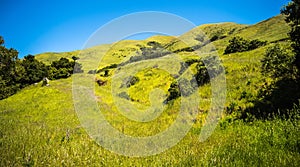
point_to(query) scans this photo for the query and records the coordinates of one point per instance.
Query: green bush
(129, 81)
(256, 44)
(63, 68)
(35, 70)
(16, 74)
(174, 91)
(239, 44)
(202, 76)
(8, 66)
(277, 62)
(283, 91)
(291, 11)
(107, 68)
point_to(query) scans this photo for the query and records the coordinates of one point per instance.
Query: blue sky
(35, 26)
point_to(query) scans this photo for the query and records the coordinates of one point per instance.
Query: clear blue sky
(36, 26)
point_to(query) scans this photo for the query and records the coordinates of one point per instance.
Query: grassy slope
(36, 122)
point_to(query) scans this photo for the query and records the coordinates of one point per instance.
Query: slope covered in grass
(39, 126)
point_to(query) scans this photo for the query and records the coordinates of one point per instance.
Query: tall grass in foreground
(38, 127)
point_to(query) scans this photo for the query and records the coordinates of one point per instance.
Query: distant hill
(240, 67)
(271, 30)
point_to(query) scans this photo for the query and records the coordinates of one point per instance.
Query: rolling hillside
(39, 125)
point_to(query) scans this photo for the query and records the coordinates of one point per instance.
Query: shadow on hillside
(274, 100)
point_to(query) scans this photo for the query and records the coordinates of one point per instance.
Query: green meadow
(39, 125)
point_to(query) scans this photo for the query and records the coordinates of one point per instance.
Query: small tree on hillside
(277, 63)
(292, 12)
(174, 91)
(62, 68)
(8, 73)
(237, 44)
(35, 70)
(75, 58)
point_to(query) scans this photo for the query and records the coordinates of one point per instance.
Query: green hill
(39, 126)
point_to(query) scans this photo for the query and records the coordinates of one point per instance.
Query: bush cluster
(239, 44)
(207, 69)
(16, 73)
(155, 50)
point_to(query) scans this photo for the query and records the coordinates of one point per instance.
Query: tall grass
(39, 126)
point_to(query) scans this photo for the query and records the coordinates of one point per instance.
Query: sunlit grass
(39, 125)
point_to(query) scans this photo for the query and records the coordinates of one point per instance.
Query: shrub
(107, 68)
(64, 68)
(239, 44)
(202, 75)
(129, 81)
(283, 91)
(174, 91)
(146, 53)
(256, 44)
(34, 70)
(277, 62)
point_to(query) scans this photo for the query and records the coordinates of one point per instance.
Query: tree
(16, 74)
(63, 68)
(63, 63)
(277, 63)
(130, 81)
(174, 91)
(292, 12)
(202, 75)
(239, 44)
(256, 44)
(8, 77)
(208, 69)
(283, 91)
(35, 70)
(75, 58)
(1, 40)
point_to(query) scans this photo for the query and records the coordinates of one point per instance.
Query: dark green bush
(63, 68)
(107, 68)
(283, 91)
(239, 44)
(35, 70)
(174, 91)
(277, 63)
(202, 76)
(129, 81)
(256, 44)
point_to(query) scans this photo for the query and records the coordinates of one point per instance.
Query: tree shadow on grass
(275, 100)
